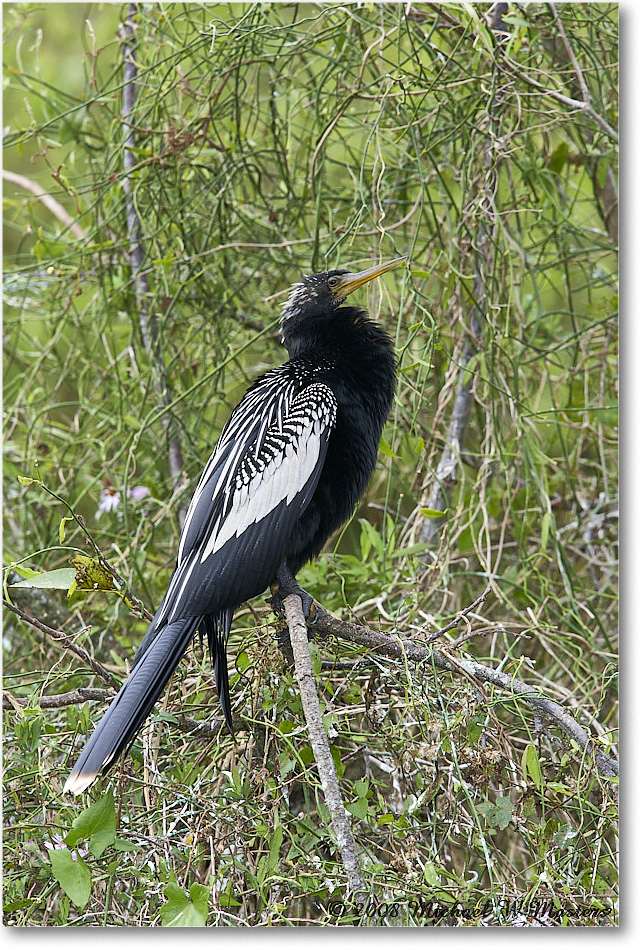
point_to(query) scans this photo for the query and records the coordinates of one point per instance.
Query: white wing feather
(279, 479)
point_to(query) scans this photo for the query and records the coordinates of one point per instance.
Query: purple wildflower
(138, 492)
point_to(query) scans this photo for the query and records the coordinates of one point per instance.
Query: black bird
(292, 461)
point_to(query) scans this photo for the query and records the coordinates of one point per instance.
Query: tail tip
(78, 782)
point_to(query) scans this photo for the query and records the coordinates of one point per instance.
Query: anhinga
(291, 463)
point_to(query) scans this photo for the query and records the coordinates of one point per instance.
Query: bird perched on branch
(291, 463)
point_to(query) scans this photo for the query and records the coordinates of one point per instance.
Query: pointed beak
(350, 282)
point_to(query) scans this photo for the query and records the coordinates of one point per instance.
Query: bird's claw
(280, 593)
(311, 611)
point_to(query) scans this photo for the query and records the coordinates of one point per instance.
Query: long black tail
(217, 628)
(130, 708)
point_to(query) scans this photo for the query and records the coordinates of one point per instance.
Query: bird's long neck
(359, 350)
(346, 333)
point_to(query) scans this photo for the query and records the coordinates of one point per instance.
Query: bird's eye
(333, 281)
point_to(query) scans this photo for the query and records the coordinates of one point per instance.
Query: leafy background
(270, 140)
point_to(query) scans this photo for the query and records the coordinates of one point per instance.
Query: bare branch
(73, 698)
(606, 191)
(410, 649)
(577, 104)
(319, 741)
(440, 485)
(460, 616)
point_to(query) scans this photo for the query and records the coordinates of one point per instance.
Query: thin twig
(581, 81)
(441, 484)
(567, 101)
(319, 742)
(606, 190)
(59, 637)
(460, 616)
(74, 698)
(579, 75)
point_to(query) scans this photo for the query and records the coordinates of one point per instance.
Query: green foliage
(98, 823)
(272, 139)
(182, 910)
(499, 814)
(72, 874)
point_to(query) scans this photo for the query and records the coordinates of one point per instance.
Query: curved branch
(410, 649)
(50, 203)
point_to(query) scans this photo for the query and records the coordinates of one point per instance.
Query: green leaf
(24, 480)
(361, 787)
(24, 571)
(602, 168)
(432, 512)
(183, 911)
(530, 765)
(385, 449)
(370, 539)
(61, 529)
(124, 844)
(546, 526)
(61, 579)
(98, 823)
(499, 814)
(200, 895)
(227, 900)
(505, 810)
(359, 808)
(73, 876)
(353, 692)
(275, 847)
(475, 726)
(559, 158)
(316, 658)
(431, 875)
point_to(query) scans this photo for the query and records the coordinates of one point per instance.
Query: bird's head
(319, 295)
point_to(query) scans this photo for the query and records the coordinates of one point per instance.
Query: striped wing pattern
(259, 479)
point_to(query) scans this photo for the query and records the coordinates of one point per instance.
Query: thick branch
(402, 648)
(74, 698)
(319, 741)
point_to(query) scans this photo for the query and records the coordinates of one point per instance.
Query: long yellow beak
(349, 282)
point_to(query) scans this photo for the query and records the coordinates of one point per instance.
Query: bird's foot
(281, 591)
(284, 585)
